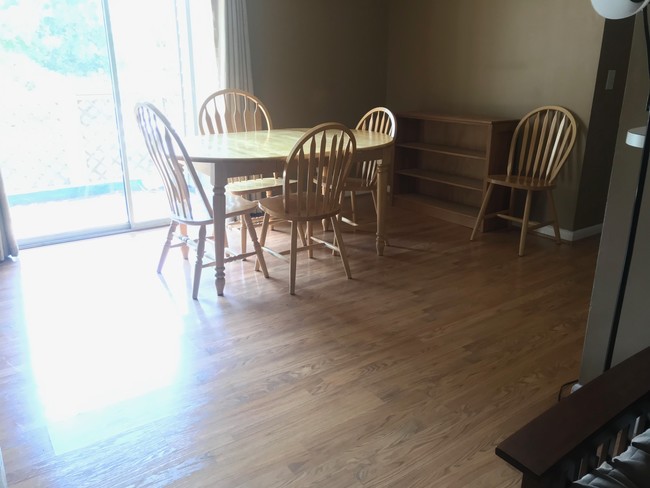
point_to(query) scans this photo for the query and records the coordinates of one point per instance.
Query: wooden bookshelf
(441, 162)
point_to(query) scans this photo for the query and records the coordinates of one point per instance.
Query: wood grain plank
(408, 375)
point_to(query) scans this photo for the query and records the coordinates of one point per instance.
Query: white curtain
(3, 477)
(231, 41)
(8, 246)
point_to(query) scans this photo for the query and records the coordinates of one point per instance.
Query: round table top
(271, 144)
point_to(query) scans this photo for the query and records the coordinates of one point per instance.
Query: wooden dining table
(223, 156)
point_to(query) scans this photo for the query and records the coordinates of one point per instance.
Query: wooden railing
(590, 426)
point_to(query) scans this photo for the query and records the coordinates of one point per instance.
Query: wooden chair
(232, 110)
(188, 202)
(320, 162)
(540, 146)
(363, 175)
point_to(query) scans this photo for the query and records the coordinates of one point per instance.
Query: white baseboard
(571, 235)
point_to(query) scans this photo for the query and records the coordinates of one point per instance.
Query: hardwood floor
(406, 376)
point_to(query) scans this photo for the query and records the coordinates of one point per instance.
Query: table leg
(383, 171)
(219, 215)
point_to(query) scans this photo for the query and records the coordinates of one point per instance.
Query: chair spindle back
(233, 110)
(318, 165)
(541, 143)
(378, 119)
(185, 195)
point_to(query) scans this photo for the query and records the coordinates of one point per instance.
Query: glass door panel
(60, 157)
(73, 160)
(149, 66)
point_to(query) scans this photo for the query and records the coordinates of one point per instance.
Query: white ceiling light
(618, 9)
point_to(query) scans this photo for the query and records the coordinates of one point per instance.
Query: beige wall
(497, 57)
(318, 60)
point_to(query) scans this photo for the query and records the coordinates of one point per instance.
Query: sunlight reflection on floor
(88, 365)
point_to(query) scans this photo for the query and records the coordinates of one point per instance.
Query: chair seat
(274, 206)
(254, 185)
(236, 205)
(521, 182)
(356, 184)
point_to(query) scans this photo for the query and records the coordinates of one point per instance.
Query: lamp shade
(618, 9)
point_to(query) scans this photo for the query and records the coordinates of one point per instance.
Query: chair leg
(244, 224)
(301, 234)
(326, 225)
(200, 250)
(511, 207)
(307, 240)
(293, 253)
(344, 257)
(185, 250)
(481, 213)
(353, 204)
(265, 228)
(556, 225)
(167, 245)
(339, 217)
(524, 222)
(269, 194)
(256, 245)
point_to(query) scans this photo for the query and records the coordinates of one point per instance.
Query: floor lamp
(619, 9)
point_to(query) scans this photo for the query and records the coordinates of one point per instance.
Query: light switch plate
(609, 84)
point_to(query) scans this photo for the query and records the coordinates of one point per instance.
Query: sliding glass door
(72, 159)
